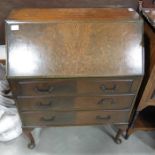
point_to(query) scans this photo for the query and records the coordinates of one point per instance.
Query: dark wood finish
(150, 48)
(27, 132)
(150, 15)
(148, 3)
(75, 86)
(110, 85)
(117, 137)
(145, 120)
(48, 118)
(47, 87)
(144, 116)
(147, 98)
(72, 43)
(6, 6)
(75, 66)
(105, 102)
(144, 113)
(148, 10)
(56, 14)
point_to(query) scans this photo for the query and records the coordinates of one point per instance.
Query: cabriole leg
(117, 138)
(29, 135)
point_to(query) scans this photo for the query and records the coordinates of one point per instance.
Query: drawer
(51, 118)
(71, 87)
(46, 87)
(100, 86)
(105, 102)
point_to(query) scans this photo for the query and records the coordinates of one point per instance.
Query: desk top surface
(103, 14)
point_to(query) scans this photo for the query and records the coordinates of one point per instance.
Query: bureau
(74, 66)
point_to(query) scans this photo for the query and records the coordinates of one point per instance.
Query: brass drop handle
(46, 119)
(49, 104)
(44, 90)
(105, 89)
(98, 117)
(106, 101)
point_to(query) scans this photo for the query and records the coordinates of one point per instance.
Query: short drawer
(46, 87)
(105, 102)
(51, 118)
(100, 86)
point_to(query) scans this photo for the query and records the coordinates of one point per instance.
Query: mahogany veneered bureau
(74, 66)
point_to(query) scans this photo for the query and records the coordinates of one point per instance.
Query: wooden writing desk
(74, 66)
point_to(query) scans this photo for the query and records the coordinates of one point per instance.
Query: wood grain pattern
(85, 65)
(148, 11)
(106, 102)
(29, 14)
(44, 119)
(76, 48)
(141, 120)
(149, 14)
(75, 86)
(150, 47)
(147, 99)
(148, 4)
(6, 6)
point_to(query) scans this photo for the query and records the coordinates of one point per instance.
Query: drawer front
(46, 87)
(75, 103)
(71, 87)
(100, 86)
(42, 118)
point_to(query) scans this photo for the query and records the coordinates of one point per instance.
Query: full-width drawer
(44, 118)
(111, 102)
(71, 87)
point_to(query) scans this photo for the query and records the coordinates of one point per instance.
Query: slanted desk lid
(74, 43)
